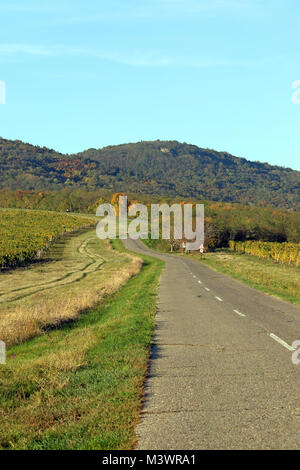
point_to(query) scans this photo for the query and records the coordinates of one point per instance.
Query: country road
(221, 375)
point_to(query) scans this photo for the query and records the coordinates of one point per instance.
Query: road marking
(283, 343)
(219, 299)
(206, 288)
(200, 282)
(194, 277)
(239, 313)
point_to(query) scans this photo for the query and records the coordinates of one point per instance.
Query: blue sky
(215, 73)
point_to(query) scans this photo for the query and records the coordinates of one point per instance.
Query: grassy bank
(80, 386)
(272, 278)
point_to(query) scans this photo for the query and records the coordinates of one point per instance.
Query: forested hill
(159, 167)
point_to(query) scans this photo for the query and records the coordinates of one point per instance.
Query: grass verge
(81, 386)
(267, 276)
(272, 278)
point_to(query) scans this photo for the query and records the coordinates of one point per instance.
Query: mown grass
(81, 270)
(276, 279)
(81, 386)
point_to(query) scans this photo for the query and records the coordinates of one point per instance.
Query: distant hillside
(159, 167)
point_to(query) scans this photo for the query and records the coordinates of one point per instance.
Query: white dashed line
(200, 282)
(239, 313)
(206, 288)
(219, 299)
(280, 341)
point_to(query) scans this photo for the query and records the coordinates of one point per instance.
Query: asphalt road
(221, 374)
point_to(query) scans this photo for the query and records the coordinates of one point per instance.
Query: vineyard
(286, 253)
(24, 235)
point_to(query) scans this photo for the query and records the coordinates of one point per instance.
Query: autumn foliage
(25, 234)
(286, 253)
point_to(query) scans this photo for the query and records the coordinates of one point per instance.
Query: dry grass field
(79, 272)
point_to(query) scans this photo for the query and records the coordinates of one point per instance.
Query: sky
(214, 73)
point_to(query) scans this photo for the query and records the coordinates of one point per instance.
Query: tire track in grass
(72, 276)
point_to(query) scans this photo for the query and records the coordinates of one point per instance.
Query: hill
(158, 167)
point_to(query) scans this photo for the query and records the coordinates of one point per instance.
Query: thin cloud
(28, 7)
(140, 59)
(9, 50)
(160, 10)
(207, 4)
(133, 9)
(25, 49)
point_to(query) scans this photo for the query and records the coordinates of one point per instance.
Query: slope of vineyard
(287, 253)
(25, 234)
